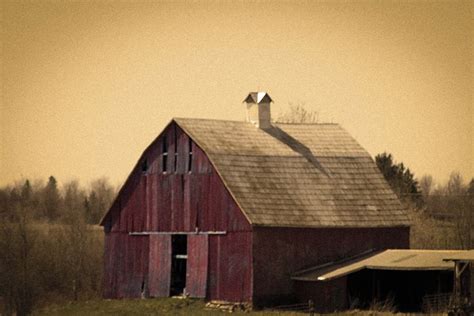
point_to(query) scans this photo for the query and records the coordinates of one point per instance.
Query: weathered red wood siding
(280, 252)
(125, 265)
(230, 267)
(159, 266)
(198, 261)
(178, 201)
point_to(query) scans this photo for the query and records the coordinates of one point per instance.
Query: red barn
(229, 210)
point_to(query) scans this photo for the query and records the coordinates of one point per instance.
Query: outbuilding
(404, 279)
(231, 210)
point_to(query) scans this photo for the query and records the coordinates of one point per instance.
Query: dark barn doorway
(179, 253)
(405, 290)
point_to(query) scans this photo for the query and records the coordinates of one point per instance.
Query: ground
(164, 306)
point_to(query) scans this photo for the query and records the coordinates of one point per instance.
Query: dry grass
(171, 306)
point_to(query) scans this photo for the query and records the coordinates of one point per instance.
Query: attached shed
(230, 210)
(411, 279)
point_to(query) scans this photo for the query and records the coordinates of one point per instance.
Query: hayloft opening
(179, 252)
(165, 154)
(145, 165)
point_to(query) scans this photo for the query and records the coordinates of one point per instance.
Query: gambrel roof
(298, 175)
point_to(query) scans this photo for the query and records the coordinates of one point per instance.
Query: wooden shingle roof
(298, 175)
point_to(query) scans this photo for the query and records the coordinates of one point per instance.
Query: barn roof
(298, 175)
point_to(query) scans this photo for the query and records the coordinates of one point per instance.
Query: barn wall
(125, 265)
(279, 252)
(230, 266)
(167, 197)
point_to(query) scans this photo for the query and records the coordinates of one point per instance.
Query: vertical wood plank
(159, 267)
(182, 150)
(197, 265)
(153, 196)
(187, 192)
(164, 203)
(171, 135)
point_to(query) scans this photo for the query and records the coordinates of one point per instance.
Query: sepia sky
(86, 86)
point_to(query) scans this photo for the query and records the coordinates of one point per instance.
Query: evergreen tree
(26, 194)
(51, 200)
(401, 179)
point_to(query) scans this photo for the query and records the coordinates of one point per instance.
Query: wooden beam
(178, 233)
(461, 268)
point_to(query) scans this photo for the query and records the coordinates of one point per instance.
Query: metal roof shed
(391, 259)
(462, 299)
(410, 275)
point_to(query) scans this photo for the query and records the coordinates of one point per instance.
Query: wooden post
(457, 284)
(458, 300)
(311, 307)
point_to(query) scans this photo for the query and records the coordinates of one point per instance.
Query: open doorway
(404, 290)
(179, 253)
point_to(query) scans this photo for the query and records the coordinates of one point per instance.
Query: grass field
(164, 306)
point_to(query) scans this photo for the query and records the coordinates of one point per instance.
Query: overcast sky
(86, 86)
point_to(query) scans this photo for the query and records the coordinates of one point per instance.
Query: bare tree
(74, 198)
(100, 198)
(17, 265)
(298, 114)
(426, 185)
(450, 205)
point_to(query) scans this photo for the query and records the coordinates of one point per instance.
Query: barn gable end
(181, 194)
(138, 206)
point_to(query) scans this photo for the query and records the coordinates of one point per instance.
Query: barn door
(159, 269)
(196, 270)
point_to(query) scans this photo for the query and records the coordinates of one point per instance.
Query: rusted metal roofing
(298, 175)
(392, 259)
(466, 255)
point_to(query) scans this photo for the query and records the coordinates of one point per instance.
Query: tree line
(442, 214)
(49, 203)
(51, 246)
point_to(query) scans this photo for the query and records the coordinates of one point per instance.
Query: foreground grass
(160, 306)
(167, 306)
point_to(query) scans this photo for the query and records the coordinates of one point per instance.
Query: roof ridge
(206, 119)
(234, 121)
(322, 123)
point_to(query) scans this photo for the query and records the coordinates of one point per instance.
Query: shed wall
(169, 197)
(327, 296)
(280, 252)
